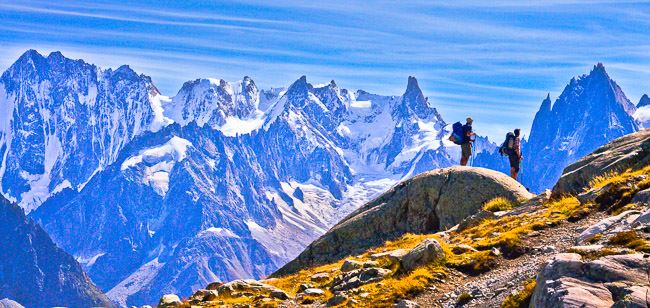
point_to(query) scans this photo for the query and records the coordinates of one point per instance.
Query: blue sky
(493, 61)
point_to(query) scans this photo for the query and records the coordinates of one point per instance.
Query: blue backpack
(457, 133)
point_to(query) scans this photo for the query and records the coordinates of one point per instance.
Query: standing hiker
(514, 153)
(462, 135)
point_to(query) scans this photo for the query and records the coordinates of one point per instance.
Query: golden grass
(617, 177)
(632, 240)
(499, 204)
(522, 298)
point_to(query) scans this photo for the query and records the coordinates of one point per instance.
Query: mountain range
(154, 194)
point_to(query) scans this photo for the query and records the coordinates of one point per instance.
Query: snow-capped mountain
(37, 273)
(642, 113)
(591, 111)
(215, 195)
(231, 108)
(63, 120)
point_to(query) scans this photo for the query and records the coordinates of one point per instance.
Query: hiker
(466, 146)
(514, 153)
(462, 135)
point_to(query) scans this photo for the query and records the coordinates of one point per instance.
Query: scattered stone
(548, 249)
(425, 252)
(349, 265)
(204, 295)
(606, 224)
(359, 277)
(170, 300)
(406, 304)
(279, 294)
(313, 291)
(364, 295)
(337, 300)
(368, 264)
(495, 251)
(320, 277)
(642, 197)
(214, 285)
(394, 256)
(304, 286)
(462, 248)
(245, 288)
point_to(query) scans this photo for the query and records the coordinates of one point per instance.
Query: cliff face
(34, 271)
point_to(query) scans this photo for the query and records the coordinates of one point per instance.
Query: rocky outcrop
(568, 281)
(426, 203)
(630, 151)
(37, 273)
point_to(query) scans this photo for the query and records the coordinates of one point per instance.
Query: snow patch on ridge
(158, 162)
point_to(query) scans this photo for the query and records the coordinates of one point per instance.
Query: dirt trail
(491, 288)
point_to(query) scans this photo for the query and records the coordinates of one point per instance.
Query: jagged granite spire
(644, 101)
(413, 102)
(591, 111)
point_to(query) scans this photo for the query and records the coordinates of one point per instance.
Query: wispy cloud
(496, 58)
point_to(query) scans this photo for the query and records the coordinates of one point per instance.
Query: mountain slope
(196, 203)
(63, 120)
(35, 272)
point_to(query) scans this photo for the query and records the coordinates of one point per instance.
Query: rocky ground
(490, 289)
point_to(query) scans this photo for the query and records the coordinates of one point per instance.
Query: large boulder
(568, 281)
(426, 203)
(630, 151)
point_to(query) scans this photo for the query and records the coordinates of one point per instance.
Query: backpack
(505, 149)
(457, 133)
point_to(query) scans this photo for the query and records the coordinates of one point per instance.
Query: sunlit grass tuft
(499, 204)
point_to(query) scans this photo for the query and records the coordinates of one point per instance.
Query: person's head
(469, 120)
(517, 132)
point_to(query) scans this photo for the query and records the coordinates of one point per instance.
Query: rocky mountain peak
(413, 102)
(644, 101)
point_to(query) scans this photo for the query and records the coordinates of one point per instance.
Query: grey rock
(320, 277)
(607, 224)
(170, 300)
(279, 294)
(313, 291)
(337, 300)
(304, 286)
(349, 265)
(425, 252)
(629, 151)
(642, 197)
(393, 256)
(204, 295)
(568, 281)
(406, 304)
(462, 248)
(357, 278)
(241, 287)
